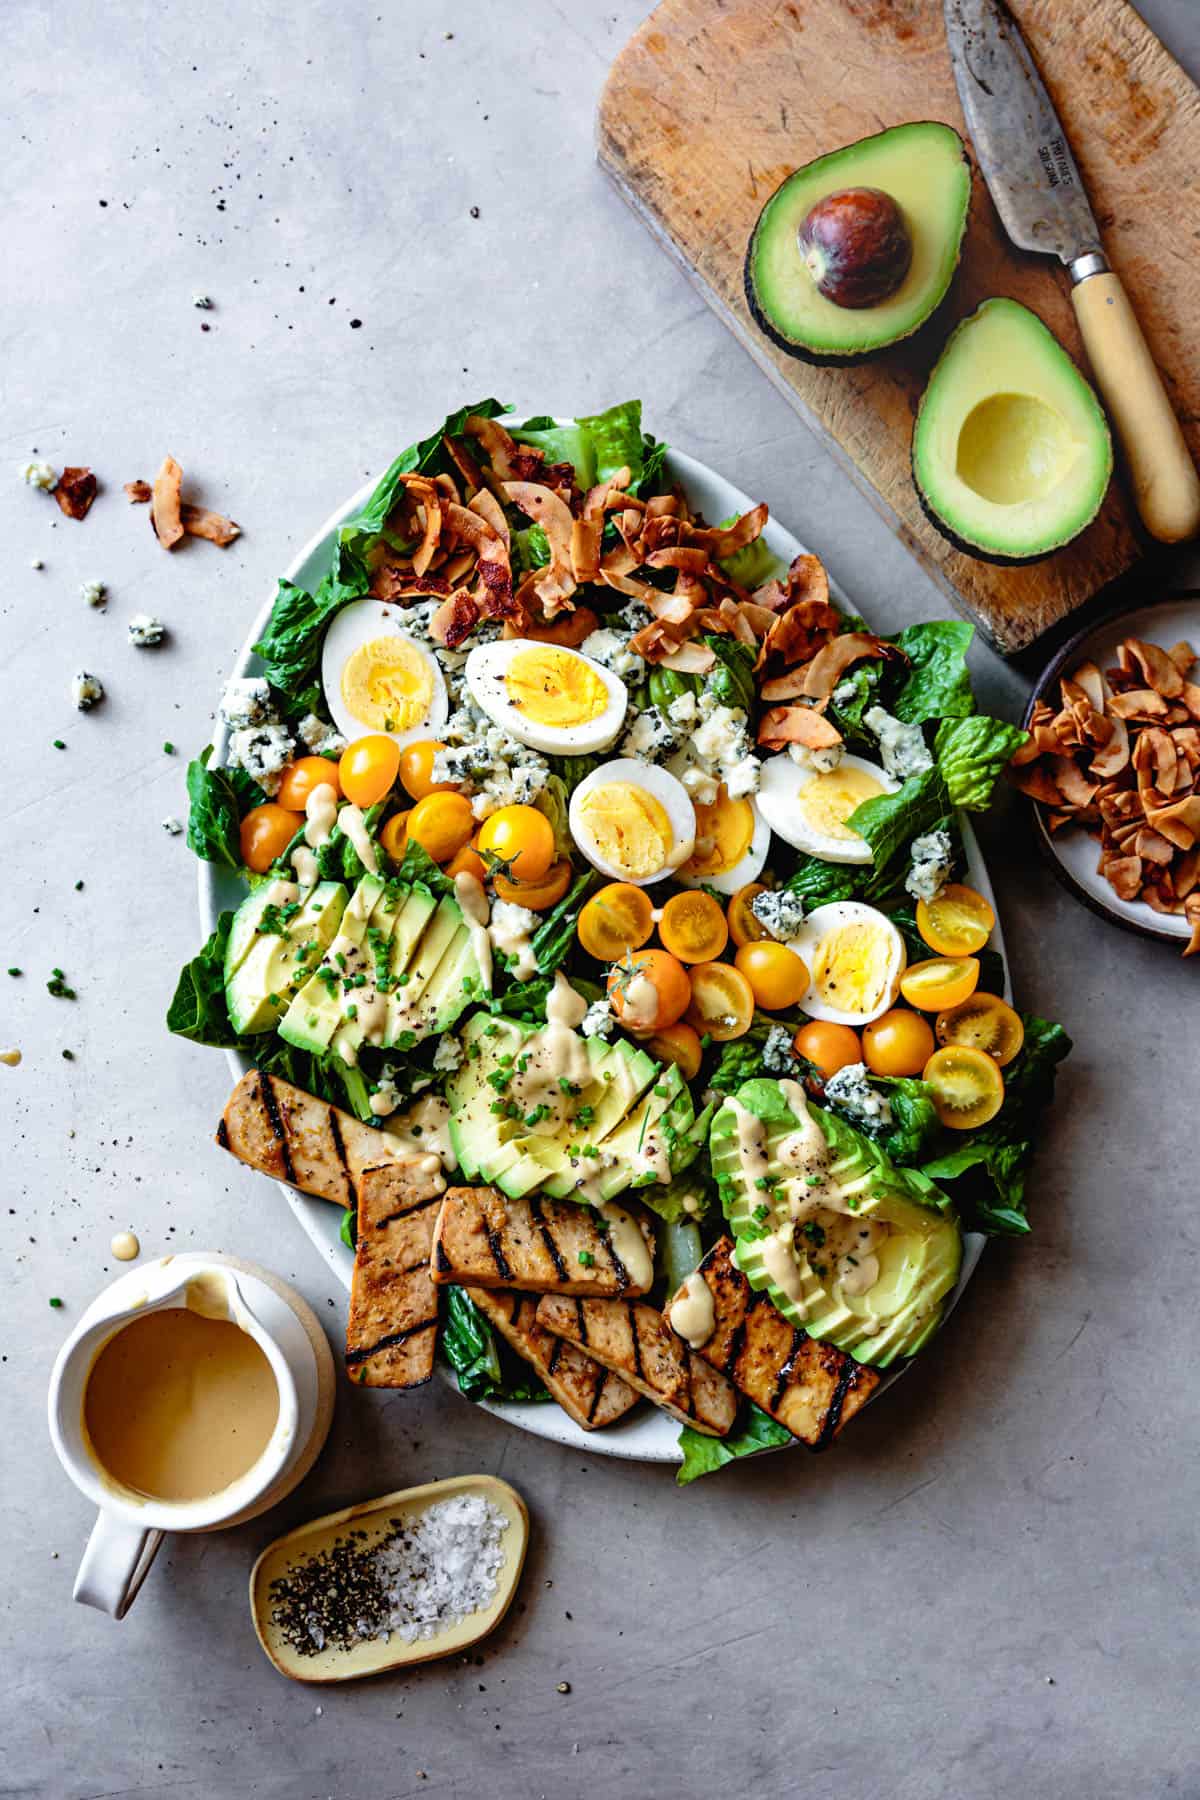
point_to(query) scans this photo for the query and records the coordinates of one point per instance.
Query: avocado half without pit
(857, 249)
(1011, 452)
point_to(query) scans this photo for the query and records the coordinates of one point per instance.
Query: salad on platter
(605, 948)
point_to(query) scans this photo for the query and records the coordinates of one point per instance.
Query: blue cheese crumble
(851, 1091)
(263, 751)
(930, 869)
(777, 1054)
(172, 827)
(86, 690)
(145, 631)
(246, 701)
(780, 913)
(598, 1020)
(902, 748)
(448, 1056)
(95, 593)
(612, 652)
(38, 474)
(319, 736)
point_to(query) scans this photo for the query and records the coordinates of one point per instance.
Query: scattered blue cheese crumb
(902, 748)
(932, 862)
(37, 563)
(246, 701)
(86, 690)
(851, 1090)
(823, 760)
(145, 630)
(777, 1054)
(263, 751)
(202, 301)
(612, 652)
(780, 913)
(94, 592)
(448, 1056)
(322, 738)
(38, 474)
(651, 736)
(598, 1020)
(172, 827)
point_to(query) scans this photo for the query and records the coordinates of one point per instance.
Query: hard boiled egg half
(808, 808)
(378, 679)
(544, 695)
(856, 957)
(633, 821)
(732, 840)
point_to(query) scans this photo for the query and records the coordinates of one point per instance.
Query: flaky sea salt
(442, 1567)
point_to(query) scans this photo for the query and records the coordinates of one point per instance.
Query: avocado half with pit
(819, 236)
(1011, 452)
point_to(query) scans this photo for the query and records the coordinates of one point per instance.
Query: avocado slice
(858, 1207)
(316, 1010)
(923, 167)
(266, 968)
(1011, 452)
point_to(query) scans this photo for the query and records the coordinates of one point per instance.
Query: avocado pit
(857, 246)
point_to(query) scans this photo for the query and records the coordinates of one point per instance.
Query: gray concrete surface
(990, 1589)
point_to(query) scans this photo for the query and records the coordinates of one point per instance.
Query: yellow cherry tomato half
(618, 918)
(441, 824)
(983, 1022)
(416, 769)
(693, 927)
(517, 841)
(368, 768)
(302, 776)
(744, 928)
(265, 833)
(394, 835)
(679, 1044)
(466, 861)
(957, 923)
(536, 895)
(777, 975)
(827, 1046)
(648, 991)
(967, 1086)
(899, 1043)
(940, 982)
(722, 1003)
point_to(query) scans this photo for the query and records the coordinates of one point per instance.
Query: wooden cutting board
(715, 101)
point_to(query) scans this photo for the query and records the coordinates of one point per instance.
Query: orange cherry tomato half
(898, 1043)
(265, 833)
(536, 895)
(722, 1002)
(620, 917)
(369, 767)
(466, 861)
(983, 1022)
(967, 1086)
(940, 982)
(693, 927)
(302, 776)
(517, 841)
(648, 990)
(777, 975)
(744, 928)
(827, 1046)
(416, 769)
(394, 836)
(679, 1044)
(441, 824)
(957, 923)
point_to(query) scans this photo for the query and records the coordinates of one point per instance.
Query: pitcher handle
(115, 1563)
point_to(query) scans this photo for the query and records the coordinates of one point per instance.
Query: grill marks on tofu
(391, 1331)
(485, 1240)
(809, 1387)
(634, 1341)
(587, 1392)
(282, 1131)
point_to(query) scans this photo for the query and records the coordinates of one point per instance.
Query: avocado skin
(821, 359)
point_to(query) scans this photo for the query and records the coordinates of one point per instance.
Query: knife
(1031, 175)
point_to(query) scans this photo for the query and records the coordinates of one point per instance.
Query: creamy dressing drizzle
(513, 941)
(305, 865)
(282, 892)
(551, 1057)
(320, 814)
(629, 1243)
(639, 1002)
(779, 1260)
(473, 904)
(425, 1130)
(354, 826)
(693, 1314)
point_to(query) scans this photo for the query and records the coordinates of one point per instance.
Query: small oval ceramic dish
(374, 1518)
(1073, 852)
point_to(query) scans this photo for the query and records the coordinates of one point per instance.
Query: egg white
(748, 866)
(362, 622)
(485, 670)
(836, 916)
(781, 782)
(671, 795)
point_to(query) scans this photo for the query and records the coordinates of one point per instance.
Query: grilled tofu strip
(282, 1131)
(590, 1394)
(391, 1332)
(633, 1340)
(541, 1246)
(810, 1387)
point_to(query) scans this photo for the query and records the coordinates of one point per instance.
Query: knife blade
(1018, 138)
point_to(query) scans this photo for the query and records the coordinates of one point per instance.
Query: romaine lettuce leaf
(819, 882)
(732, 681)
(290, 647)
(197, 1010)
(936, 684)
(702, 1455)
(971, 754)
(891, 821)
(485, 1367)
(215, 798)
(616, 440)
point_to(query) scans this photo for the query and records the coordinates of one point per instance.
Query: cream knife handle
(1165, 483)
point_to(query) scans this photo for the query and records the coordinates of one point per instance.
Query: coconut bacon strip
(167, 504)
(391, 1330)
(635, 1342)
(540, 1246)
(587, 1392)
(282, 1131)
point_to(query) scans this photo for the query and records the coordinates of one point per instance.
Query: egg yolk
(628, 828)
(827, 801)
(850, 967)
(387, 684)
(723, 834)
(553, 689)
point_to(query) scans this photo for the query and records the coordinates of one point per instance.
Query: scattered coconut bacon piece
(138, 493)
(1122, 758)
(634, 1340)
(199, 522)
(809, 1387)
(587, 1392)
(75, 492)
(167, 504)
(391, 1331)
